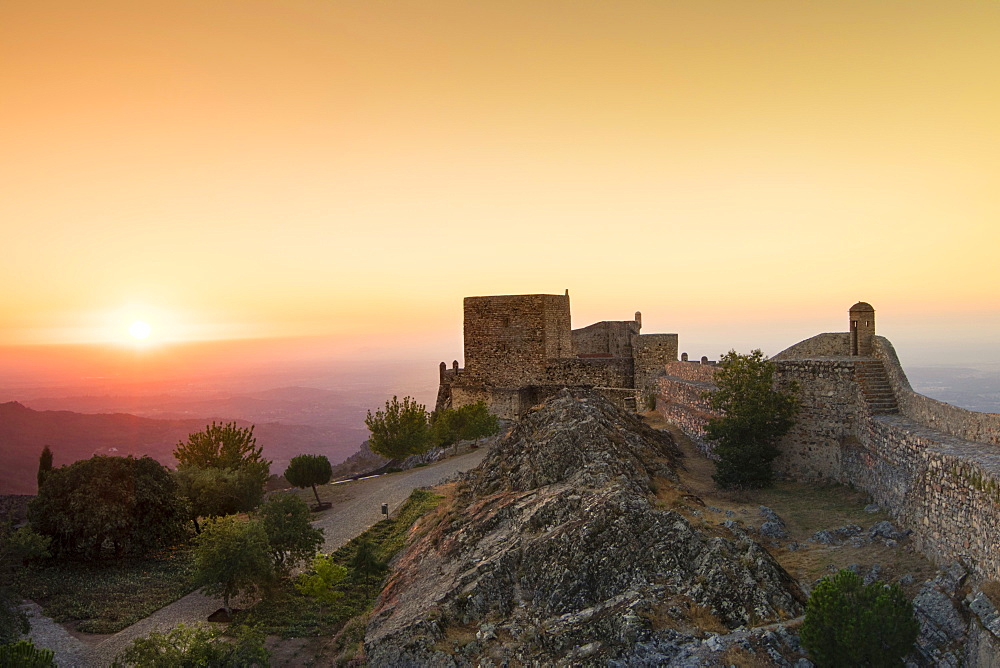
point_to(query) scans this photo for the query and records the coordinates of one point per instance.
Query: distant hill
(74, 436)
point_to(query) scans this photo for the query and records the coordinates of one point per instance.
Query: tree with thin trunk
(231, 558)
(309, 470)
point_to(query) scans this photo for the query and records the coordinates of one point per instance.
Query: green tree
(232, 558)
(291, 538)
(465, 423)
(108, 507)
(192, 646)
(754, 416)
(401, 430)
(849, 623)
(213, 492)
(365, 561)
(309, 470)
(44, 465)
(221, 470)
(222, 446)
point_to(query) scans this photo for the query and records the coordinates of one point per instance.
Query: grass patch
(107, 597)
(287, 613)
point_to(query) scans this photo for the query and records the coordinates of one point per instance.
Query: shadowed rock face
(555, 552)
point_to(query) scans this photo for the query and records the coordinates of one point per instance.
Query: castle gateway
(521, 349)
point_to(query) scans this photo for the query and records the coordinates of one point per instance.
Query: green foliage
(291, 613)
(401, 430)
(16, 549)
(309, 470)
(191, 646)
(24, 654)
(106, 597)
(465, 423)
(291, 538)
(108, 507)
(365, 561)
(213, 492)
(849, 623)
(231, 558)
(44, 465)
(754, 417)
(319, 583)
(222, 446)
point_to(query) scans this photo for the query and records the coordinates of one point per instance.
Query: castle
(933, 466)
(521, 349)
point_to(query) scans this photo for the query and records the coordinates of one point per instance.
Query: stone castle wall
(921, 464)
(519, 347)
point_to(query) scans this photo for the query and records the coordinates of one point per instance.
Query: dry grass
(737, 656)
(804, 507)
(992, 590)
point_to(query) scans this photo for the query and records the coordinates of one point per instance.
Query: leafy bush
(108, 507)
(214, 492)
(472, 421)
(309, 470)
(320, 582)
(231, 558)
(754, 417)
(291, 538)
(401, 430)
(191, 646)
(849, 623)
(24, 654)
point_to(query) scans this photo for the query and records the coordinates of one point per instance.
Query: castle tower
(862, 317)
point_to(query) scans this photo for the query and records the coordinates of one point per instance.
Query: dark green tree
(365, 561)
(192, 646)
(231, 558)
(44, 465)
(754, 416)
(309, 470)
(465, 423)
(849, 623)
(108, 507)
(213, 492)
(222, 446)
(401, 430)
(221, 470)
(291, 538)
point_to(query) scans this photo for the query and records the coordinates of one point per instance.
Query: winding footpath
(358, 507)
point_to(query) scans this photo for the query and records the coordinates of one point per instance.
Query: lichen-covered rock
(554, 552)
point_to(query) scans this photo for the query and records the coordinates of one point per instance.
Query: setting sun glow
(140, 330)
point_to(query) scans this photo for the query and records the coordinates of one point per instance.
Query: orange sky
(740, 172)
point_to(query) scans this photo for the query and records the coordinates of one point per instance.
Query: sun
(140, 330)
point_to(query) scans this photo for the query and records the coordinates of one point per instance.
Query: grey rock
(772, 529)
(884, 530)
(770, 515)
(793, 546)
(906, 580)
(872, 575)
(730, 513)
(872, 508)
(983, 607)
(555, 531)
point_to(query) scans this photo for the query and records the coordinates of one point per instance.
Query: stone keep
(521, 349)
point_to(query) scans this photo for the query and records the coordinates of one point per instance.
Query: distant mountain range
(73, 436)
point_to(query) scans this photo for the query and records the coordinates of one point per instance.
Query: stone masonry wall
(651, 352)
(611, 337)
(943, 487)
(508, 338)
(965, 424)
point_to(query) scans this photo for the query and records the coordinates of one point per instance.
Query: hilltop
(556, 549)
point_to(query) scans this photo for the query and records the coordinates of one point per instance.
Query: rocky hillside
(556, 550)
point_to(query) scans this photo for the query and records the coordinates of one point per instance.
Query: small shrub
(196, 646)
(24, 654)
(849, 623)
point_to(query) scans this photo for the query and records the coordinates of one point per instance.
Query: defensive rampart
(935, 467)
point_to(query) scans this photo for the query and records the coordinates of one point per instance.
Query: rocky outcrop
(556, 551)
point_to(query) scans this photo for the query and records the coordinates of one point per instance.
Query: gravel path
(358, 505)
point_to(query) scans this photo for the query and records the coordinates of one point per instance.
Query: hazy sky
(741, 172)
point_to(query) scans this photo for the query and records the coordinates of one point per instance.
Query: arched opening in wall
(854, 337)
